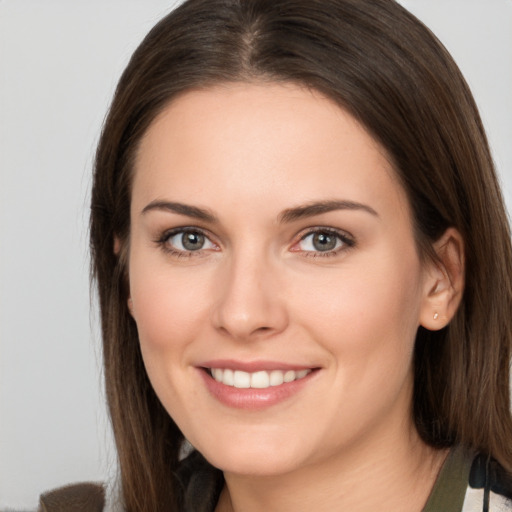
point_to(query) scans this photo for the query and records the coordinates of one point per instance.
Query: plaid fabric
(475, 499)
(469, 483)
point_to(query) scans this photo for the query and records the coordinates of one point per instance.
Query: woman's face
(274, 278)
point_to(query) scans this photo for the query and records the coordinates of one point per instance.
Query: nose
(250, 301)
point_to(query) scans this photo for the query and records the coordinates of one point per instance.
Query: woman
(304, 267)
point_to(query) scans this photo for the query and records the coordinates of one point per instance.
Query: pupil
(324, 242)
(192, 241)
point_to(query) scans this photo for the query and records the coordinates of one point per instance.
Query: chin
(256, 459)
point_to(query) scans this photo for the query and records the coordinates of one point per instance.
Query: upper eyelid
(327, 229)
(184, 229)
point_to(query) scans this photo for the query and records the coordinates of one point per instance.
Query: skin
(258, 289)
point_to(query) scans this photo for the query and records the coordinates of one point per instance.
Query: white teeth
(289, 376)
(258, 380)
(242, 379)
(276, 378)
(302, 373)
(228, 377)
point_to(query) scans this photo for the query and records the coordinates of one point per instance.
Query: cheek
(367, 319)
(169, 314)
(169, 309)
(366, 312)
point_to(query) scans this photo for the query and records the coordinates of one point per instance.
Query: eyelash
(347, 242)
(163, 242)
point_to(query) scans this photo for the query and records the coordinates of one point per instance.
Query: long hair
(382, 65)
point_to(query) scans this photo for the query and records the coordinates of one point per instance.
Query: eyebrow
(288, 215)
(317, 208)
(182, 209)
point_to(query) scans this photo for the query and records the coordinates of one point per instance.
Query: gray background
(59, 62)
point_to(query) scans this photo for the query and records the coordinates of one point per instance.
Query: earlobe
(117, 245)
(444, 284)
(130, 306)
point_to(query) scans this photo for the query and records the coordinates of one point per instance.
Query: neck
(392, 474)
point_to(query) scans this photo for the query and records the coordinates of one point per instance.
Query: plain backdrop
(59, 63)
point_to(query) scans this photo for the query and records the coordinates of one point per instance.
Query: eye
(186, 241)
(324, 241)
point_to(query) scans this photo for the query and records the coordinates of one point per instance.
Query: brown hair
(387, 69)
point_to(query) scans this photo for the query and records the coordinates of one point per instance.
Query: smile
(256, 380)
(255, 385)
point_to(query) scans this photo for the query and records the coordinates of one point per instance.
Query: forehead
(264, 141)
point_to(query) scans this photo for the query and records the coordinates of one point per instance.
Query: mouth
(261, 379)
(255, 385)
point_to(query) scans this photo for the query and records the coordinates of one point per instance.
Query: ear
(117, 251)
(129, 302)
(444, 282)
(117, 245)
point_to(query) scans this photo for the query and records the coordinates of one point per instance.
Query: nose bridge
(249, 302)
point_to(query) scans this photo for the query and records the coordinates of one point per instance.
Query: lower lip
(253, 398)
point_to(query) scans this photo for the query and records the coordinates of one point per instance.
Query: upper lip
(254, 366)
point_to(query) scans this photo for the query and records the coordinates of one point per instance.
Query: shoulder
(200, 485)
(83, 497)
